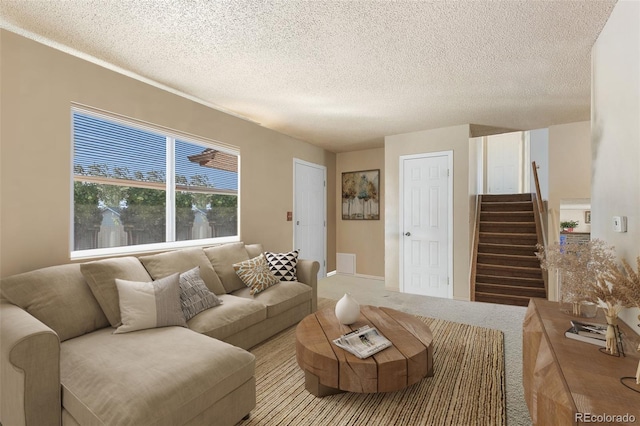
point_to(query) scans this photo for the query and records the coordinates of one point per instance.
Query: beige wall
(569, 175)
(451, 138)
(364, 238)
(616, 134)
(39, 84)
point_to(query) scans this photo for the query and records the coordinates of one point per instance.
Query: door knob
(408, 234)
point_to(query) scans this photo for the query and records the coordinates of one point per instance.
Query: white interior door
(504, 163)
(426, 204)
(310, 212)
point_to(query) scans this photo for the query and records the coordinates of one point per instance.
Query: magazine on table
(596, 331)
(363, 342)
(595, 334)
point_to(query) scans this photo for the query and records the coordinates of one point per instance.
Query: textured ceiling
(343, 74)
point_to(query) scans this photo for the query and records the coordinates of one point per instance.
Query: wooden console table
(565, 379)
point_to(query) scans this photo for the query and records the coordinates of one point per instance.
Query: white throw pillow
(150, 304)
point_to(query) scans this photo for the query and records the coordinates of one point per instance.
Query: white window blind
(136, 186)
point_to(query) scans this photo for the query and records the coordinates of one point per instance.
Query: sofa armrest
(307, 273)
(29, 369)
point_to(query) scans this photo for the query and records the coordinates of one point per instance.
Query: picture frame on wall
(587, 216)
(361, 195)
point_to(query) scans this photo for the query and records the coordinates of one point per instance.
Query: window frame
(170, 186)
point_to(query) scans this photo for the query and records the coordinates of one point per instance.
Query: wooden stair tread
(510, 256)
(510, 290)
(509, 234)
(503, 197)
(504, 213)
(507, 267)
(493, 222)
(500, 278)
(510, 227)
(510, 286)
(502, 296)
(507, 216)
(526, 261)
(506, 239)
(513, 249)
(507, 203)
(532, 246)
(508, 271)
(489, 206)
(502, 299)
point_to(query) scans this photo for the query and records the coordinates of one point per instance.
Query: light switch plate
(619, 224)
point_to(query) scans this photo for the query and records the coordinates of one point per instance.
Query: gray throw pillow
(195, 297)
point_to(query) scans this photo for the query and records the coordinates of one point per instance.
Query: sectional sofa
(104, 343)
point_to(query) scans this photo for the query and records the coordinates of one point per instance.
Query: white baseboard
(369, 277)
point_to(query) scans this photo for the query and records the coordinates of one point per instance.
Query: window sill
(141, 249)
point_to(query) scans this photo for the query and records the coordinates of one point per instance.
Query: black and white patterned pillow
(283, 265)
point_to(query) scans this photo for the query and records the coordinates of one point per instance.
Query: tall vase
(611, 336)
(347, 310)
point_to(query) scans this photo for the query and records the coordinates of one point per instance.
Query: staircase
(506, 268)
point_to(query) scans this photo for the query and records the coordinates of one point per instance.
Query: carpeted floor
(468, 386)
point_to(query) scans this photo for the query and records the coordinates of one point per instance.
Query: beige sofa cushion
(234, 315)
(164, 264)
(161, 376)
(101, 276)
(254, 250)
(279, 298)
(222, 258)
(59, 297)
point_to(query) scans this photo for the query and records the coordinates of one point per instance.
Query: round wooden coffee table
(329, 369)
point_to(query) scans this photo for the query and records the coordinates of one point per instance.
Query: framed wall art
(361, 195)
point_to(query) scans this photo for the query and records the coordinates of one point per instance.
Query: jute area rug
(468, 386)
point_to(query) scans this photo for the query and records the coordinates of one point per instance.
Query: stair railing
(474, 254)
(541, 222)
(540, 204)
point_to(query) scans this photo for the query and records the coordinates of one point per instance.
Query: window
(136, 185)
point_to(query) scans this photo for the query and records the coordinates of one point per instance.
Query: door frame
(402, 158)
(296, 161)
